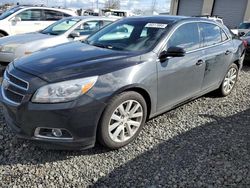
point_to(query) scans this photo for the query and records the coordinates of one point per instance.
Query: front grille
(13, 88)
(17, 81)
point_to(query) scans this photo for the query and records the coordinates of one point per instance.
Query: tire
(223, 90)
(115, 129)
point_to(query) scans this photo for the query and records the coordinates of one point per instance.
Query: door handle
(200, 62)
(228, 52)
(37, 24)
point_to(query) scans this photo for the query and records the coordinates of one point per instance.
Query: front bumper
(80, 118)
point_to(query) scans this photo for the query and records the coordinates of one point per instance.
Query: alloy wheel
(125, 121)
(230, 80)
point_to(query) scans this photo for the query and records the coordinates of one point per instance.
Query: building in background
(233, 12)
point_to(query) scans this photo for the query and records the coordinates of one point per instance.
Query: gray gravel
(205, 143)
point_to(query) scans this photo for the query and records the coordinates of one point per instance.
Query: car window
(88, 28)
(211, 34)
(9, 12)
(129, 35)
(120, 32)
(223, 35)
(186, 36)
(30, 15)
(105, 22)
(244, 26)
(51, 15)
(60, 26)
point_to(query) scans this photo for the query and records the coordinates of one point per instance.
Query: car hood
(24, 38)
(74, 60)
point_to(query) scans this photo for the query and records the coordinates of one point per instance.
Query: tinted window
(223, 35)
(244, 26)
(186, 36)
(51, 15)
(129, 35)
(89, 27)
(30, 15)
(211, 34)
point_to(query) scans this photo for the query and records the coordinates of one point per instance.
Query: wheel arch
(4, 32)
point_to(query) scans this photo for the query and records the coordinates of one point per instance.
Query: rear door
(180, 78)
(31, 20)
(51, 16)
(217, 54)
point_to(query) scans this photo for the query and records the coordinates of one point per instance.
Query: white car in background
(24, 19)
(62, 31)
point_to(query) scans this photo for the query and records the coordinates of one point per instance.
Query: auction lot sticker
(156, 25)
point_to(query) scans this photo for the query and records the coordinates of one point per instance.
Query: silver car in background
(63, 31)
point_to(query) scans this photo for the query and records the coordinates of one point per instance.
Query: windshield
(9, 12)
(60, 27)
(128, 35)
(247, 34)
(244, 26)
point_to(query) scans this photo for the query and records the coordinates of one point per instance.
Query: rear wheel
(229, 81)
(122, 120)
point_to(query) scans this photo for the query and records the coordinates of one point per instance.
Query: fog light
(57, 132)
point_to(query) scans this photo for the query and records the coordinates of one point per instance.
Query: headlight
(9, 48)
(64, 91)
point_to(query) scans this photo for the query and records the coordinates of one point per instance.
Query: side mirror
(16, 19)
(241, 34)
(74, 34)
(172, 52)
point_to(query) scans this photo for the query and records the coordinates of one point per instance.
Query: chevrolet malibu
(104, 89)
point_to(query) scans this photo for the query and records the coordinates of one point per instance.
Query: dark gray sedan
(106, 88)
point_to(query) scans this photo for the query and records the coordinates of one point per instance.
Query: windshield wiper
(102, 46)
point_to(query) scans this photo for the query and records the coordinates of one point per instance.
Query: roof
(91, 17)
(48, 8)
(168, 18)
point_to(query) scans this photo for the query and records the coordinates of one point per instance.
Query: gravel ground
(205, 143)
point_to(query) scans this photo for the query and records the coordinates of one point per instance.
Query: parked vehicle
(70, 95)
(243, 28)
(24, 19)
(114, 13)
(214, 18)
(246, 39)
(62, 31)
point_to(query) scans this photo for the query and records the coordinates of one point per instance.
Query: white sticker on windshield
(156, 25)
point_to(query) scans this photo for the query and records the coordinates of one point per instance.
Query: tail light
(245, 43)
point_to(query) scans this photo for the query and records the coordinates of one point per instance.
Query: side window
(66, 15)
(211, 34)
(223, 36)
(186, 36)
(30, 15)
(51, 15)
(105, 22)
(88, 28)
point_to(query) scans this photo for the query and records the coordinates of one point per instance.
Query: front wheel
(229, 81)
(122, 120)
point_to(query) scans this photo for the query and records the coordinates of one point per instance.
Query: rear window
(211, 34)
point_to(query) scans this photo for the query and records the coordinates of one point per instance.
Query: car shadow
(215, 154)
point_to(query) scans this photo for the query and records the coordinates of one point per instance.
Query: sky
(161, 5)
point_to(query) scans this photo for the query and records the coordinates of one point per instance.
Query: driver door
(180, 78)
